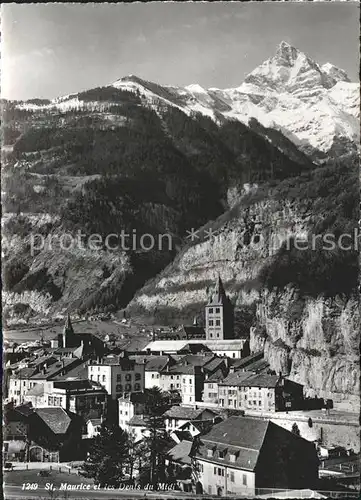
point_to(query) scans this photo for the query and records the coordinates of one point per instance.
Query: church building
(219, 315)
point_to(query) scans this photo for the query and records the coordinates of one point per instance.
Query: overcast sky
(55, 49)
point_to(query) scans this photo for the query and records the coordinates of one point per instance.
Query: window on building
(178, 385)
(152, 375)
(211, 322)
(98, 378)
(209, 489)
(215, 471)
(200, 467)
(244, 479)
(128, 387)
(218, 322)
(137, 376)
(121, 412)
(190, 381)
(259, 403)
(218, 310)
(157, 375)
(232, 476)
(217, 335)
(211, 310)
(209, 453)
(128, 377)
(137, 387)
(184, 380)
(177, 377)
(103, 378)
(234, 355)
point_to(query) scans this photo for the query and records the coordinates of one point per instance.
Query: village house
(118, 375)
(129, 406)
(245, 456)
(179, 415)
(39, 372)
(46, 434)
(153, 369)
(179, 464)
(93, 427)
(259, 392)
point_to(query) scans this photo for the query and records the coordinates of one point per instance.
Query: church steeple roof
(68, 327)
(219, 296)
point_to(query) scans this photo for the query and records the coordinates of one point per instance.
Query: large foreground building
(246, 456)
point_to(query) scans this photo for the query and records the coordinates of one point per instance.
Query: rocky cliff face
(316, 343)
(312, 339)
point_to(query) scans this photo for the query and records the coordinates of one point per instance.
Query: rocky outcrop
(312, 340)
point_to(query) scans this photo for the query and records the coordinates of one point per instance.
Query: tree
(156, 439)
(108, 455)
(295, 429)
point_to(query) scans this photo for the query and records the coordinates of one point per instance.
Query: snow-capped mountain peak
(337, 74)
(313, 105)
(286, 54)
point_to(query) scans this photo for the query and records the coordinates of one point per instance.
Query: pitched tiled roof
(181, 452)
(217, 376)
(258, 366)
(56, 368)
(156, 363)
(57, 419)
(194, 329)
(261, 380)
(240, 436)
(243, 362)
(137, 420)
(95, 421)
(185, 413)
(236, 379)
(213, 364)
(37, 390)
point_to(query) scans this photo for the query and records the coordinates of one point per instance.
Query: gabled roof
(236, 379)
(181, 452)
(193, 330)
(217, 376)
(57, 419)
(261, 380)
(63, 365)
(156, 363)
(37, 390)
(137, 421)
(239, 436)
(95, 421)
(197, 360)
(79, 372)
(213, 364)
(186, 413)
(202, 426)
(243, 362)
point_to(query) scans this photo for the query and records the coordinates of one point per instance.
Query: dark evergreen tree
(108, 456)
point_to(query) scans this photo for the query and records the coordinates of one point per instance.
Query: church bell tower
(219, 315)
